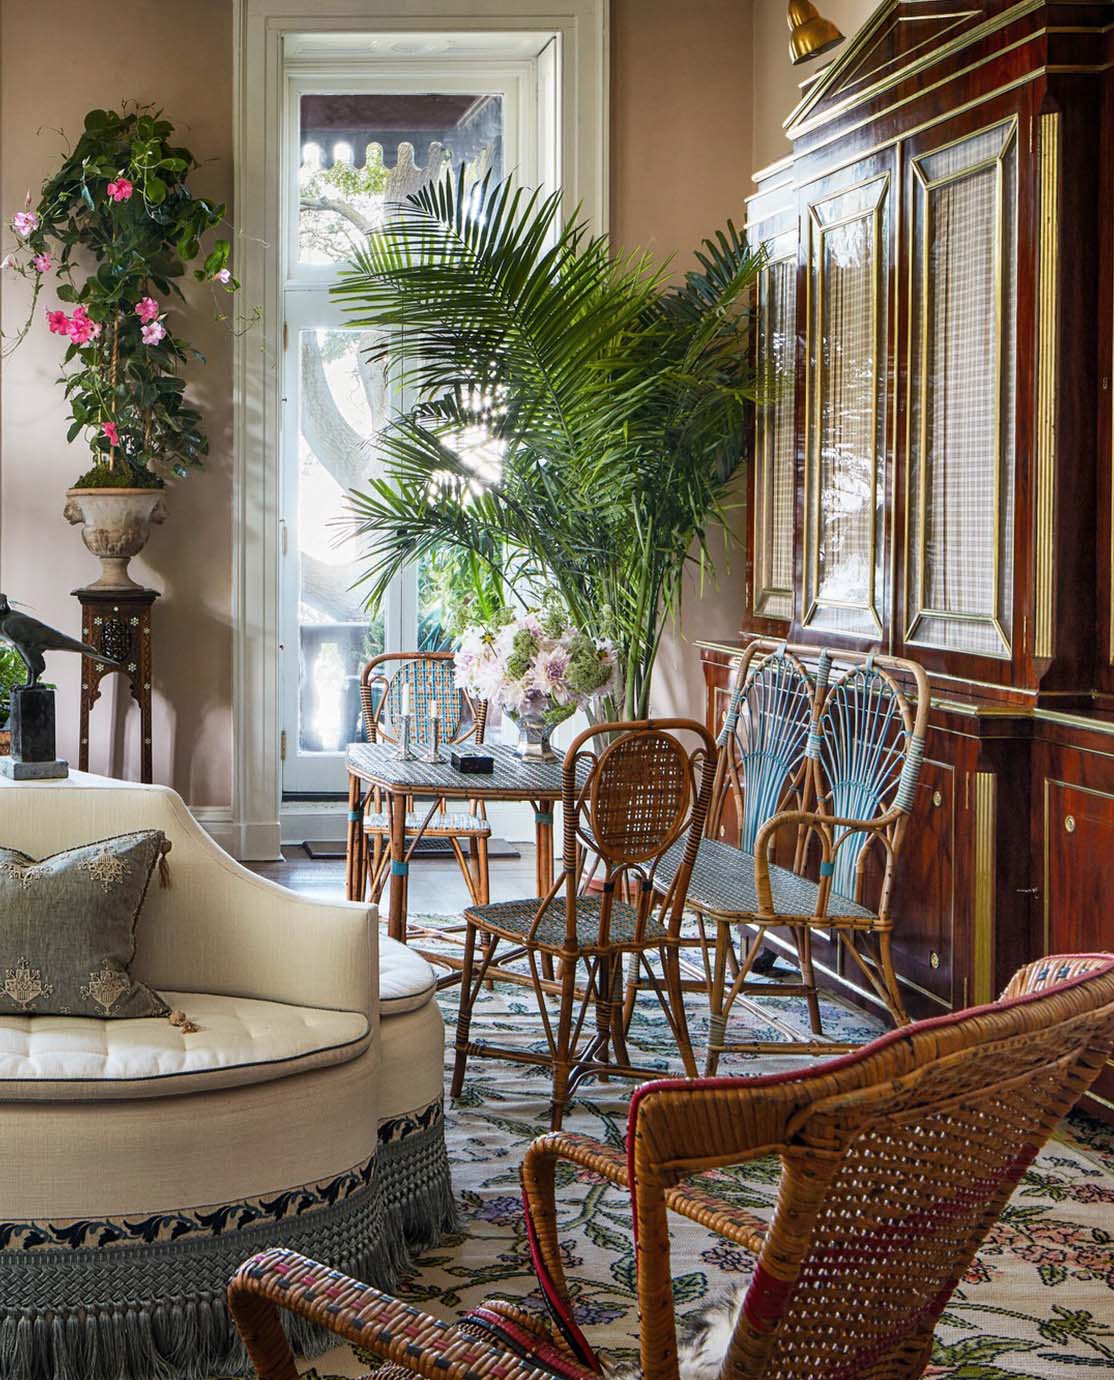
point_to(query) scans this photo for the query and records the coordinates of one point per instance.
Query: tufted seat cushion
(406, 981)
(239, 1040)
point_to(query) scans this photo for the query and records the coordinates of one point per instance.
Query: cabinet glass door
(848, 236)
(962, 366)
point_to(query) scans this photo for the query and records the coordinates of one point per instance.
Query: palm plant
(574, 414)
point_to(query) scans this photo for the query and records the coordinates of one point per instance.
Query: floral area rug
(1038, 1301)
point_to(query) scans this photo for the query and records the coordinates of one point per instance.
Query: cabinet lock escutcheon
(1069, 823)
(937, 798)
(934, 959)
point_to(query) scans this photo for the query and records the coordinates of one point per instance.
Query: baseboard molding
(259, 842)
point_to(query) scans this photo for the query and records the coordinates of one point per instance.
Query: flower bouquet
(539, 669)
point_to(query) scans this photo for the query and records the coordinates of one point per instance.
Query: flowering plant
(536, 663)
(118, 226)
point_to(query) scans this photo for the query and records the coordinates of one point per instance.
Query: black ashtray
(478, 763)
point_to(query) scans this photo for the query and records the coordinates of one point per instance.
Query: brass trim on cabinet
(986, 828)
(1048, 155)
(770, 600)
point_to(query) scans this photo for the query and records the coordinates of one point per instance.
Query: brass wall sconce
(809, 33)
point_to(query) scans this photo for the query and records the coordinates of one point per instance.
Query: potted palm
(577, 418)
(117, 227)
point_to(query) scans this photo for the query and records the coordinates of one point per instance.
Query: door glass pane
(361, 152)
(343, 402)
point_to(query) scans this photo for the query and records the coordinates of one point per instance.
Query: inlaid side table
(118, 623)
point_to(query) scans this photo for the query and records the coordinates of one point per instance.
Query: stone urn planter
(115, 525)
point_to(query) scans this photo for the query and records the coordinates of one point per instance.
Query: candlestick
(404, 708)
(434, 712)
(433, 753)
(405, 751)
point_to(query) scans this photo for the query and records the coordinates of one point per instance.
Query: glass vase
(534, 729)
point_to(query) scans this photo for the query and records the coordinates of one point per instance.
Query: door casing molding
(253, 831)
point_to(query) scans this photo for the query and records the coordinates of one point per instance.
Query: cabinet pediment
(902, 39)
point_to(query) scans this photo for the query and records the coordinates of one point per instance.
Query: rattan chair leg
(483, 873)
(802, 938)
(671, 970)
(717, 1016)
(464, 1012)
(605, 978)
(562, 1054)
(889, 977)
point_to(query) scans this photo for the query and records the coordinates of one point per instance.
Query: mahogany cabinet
(931, 473)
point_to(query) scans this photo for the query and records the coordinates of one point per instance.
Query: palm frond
(615, 402)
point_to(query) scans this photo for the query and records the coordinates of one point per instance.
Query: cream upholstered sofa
(141, 1164)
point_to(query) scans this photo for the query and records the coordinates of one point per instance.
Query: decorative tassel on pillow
(164, 866)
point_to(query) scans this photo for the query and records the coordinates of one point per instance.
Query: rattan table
(376, 766)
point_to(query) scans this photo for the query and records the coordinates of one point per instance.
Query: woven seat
(896, 1162)
(722, 885)
(629, 791)
(440, 825)
(515, 919)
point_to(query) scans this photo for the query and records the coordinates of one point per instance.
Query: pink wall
(53, 68)
(699, 91)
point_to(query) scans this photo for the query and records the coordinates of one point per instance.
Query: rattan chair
(820, 763)
(630, 791)
(431, 679)
(895, 1163)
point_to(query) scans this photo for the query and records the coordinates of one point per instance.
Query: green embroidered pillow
(67, 929)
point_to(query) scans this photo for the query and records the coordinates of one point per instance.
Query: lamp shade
(809, 33)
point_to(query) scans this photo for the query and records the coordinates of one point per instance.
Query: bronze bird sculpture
(31, 639)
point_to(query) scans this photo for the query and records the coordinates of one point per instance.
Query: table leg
(396, 915)
(355, 879)
(543, 861)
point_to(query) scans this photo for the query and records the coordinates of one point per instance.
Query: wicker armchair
(630, 791)
(896, 1162)
(430, 678)
(823, 761)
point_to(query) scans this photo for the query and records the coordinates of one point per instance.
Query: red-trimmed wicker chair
(630, 791)
(896, 1161)
(821, 752)
(431, 679)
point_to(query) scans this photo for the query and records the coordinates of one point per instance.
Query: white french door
(359, 135)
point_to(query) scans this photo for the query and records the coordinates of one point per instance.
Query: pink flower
(109, 429)
(81, 329)
(58, 322)
(146, 309)
(223, 276)
(23, 222)
(153, 332)
(42, 262)
(121, 189)
(8, 261)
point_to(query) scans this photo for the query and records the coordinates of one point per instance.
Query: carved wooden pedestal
(117, 623)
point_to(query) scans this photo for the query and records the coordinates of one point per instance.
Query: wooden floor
(436, 886)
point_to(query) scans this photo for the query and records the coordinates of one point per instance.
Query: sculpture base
(33, 771)
(32, 723)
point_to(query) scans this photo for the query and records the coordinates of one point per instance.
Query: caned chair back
(866, 749)
(430, 679)
(896, 1162)
(629, 792)
(764, 738)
